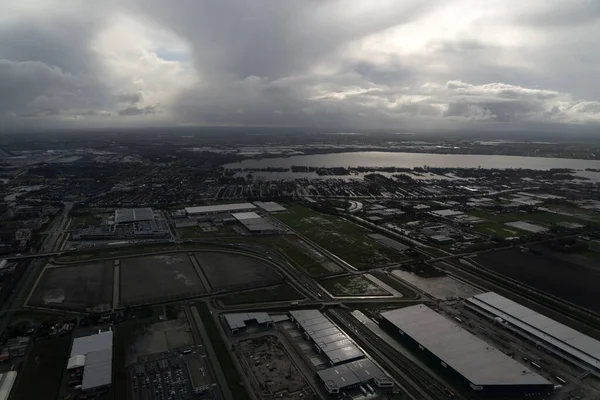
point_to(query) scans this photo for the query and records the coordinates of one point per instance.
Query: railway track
(416, 382)
(556, 305)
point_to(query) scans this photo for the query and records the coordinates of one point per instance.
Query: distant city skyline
(388, 64)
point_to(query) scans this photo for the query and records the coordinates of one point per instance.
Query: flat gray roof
(470, 356)
(246, 215)
(125, 215)
(97, 371)
(567, 339)
(344, 354)
(305, 314)
(238, 320)
(526, 226)
(315, 322)
(331, 338)
(323, 333)
(307, 319)
(352, 373)
(313, 329)
(338, 344)
(338, 377)
(87, 344)
(220, 208)
(366, 370)
(269, 206)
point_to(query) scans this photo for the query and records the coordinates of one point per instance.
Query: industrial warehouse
(327, 337)
(92, 354)
(560, 339)
(255, 223)
(349, 366)
(238, 322)
(219, 208)
(353, 374)
(270, 206)
(465, 358)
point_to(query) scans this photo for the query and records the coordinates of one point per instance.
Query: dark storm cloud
(129, 111)
(131, 98)
(302, 62)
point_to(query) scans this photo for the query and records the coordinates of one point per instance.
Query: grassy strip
(406, 291)
(280, 293)
(125, 337)
(227, 365)
(287, 246)
(343, 238)
(41, 376)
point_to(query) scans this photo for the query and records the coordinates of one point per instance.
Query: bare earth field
(353, 286)
(83, 287)
(155, 278)
(160, 337)
(560, 278)
(233, 271)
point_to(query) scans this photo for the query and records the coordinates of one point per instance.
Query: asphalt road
(33, 268)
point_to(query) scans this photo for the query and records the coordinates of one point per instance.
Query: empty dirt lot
(155, 278)
(82, 287)
(233, 271)
(568, 281)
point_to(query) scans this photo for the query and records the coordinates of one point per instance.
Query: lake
(407, 160)
(411, 160)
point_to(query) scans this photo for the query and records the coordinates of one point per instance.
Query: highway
(33, 269)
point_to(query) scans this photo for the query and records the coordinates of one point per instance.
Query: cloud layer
(388, 64)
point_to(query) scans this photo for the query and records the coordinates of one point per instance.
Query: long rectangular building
(326, 337)
(219, 208)
(466, 358)
(353, 374)
(560, 339)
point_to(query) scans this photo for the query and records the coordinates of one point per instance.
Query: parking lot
(165, 379)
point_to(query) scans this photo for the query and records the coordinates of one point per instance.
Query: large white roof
(470, 356)
(77, 361)
(246, 215)
(565, 338)
(86, 344)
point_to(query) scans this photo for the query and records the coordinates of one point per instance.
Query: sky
(340, 64)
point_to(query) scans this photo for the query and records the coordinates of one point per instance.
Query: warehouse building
(557, 338)
(353, 374)
(464, 358)
(239, 322)
(7, 381)
(255, 223)
(93, 354)
(220, 208)
(270, 206)
(129, 215)
(327, 338)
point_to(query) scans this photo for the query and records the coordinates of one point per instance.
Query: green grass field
(495, 225)
(283, 292)
(498, 229)
(345, 239)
